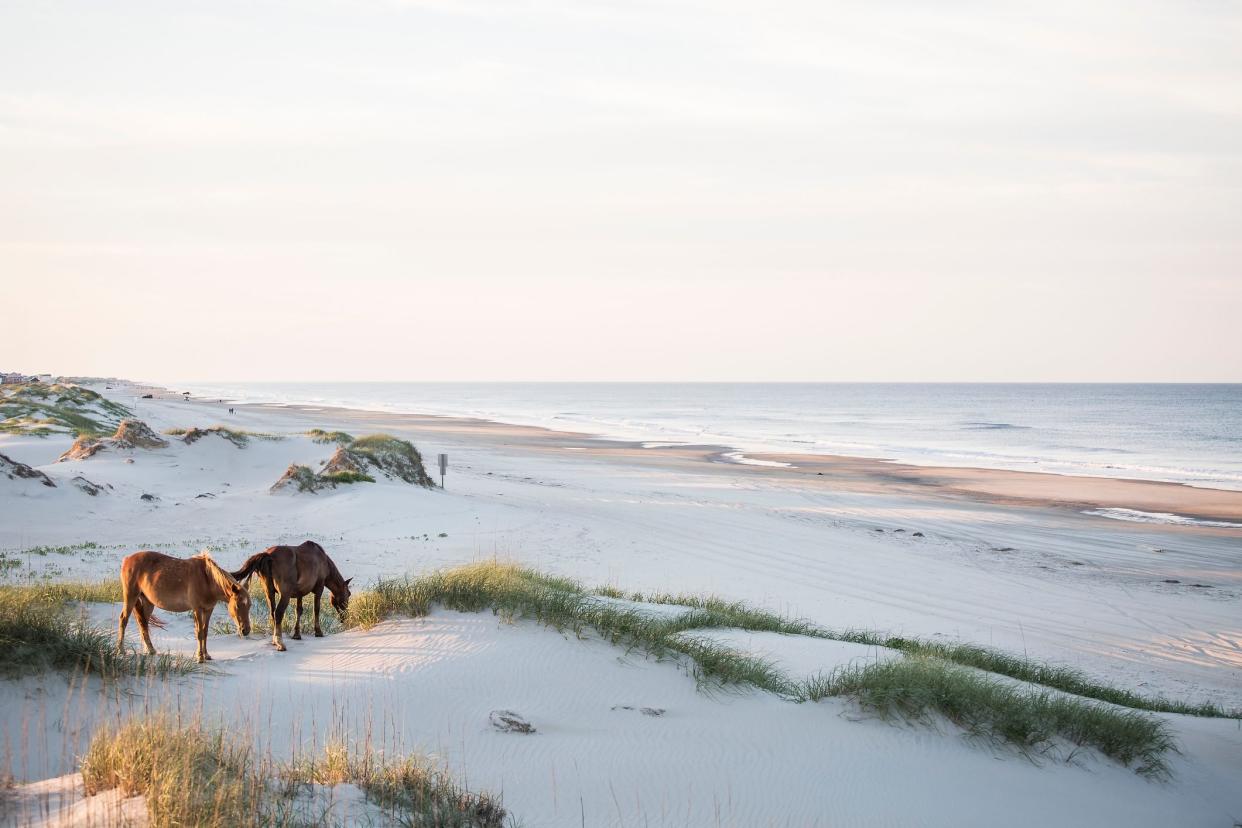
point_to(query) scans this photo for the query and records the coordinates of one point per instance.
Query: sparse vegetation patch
(358, 460)
(193, 775)
(129, 434)
(299, 477)
(38, 409)
(341, 438)
(238, 437)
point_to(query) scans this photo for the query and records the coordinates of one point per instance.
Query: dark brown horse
(295, 571)
(197, 584)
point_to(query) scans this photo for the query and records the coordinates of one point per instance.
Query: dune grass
(422, 792)
(346, 476)
(1056, 677)
(39, 630)
(38, 409)
(193, 775)
(933, 679)
(988, 708)
(238, 437)
(189, 776)
(393, 456)
(341, 438)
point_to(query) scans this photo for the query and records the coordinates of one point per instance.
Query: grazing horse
(197, 584)
(295, 571)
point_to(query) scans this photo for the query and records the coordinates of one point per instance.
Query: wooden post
(443, 468)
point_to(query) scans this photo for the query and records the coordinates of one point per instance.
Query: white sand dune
(733, 758)
(1066, 588)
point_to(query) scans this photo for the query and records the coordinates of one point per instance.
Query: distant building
(47, 378)
(12, 378)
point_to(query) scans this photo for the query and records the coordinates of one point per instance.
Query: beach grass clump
(1057, 677)
(1053, 676)
(392, 456)
(346, 476)
(340, 438)
(985, 707)
(421, 792)
(238, 437)
(39, 630)
(189, 775)
(194, 775)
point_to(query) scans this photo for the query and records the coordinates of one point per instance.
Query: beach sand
(1001, 559)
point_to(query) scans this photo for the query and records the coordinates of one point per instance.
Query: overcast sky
(576, 189)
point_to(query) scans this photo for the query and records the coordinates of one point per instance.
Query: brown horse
(295, 571)
(197, 584)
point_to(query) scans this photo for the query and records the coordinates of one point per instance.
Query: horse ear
(347, 580)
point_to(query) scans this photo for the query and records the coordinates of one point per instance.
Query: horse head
(239, 607)
(340, 598)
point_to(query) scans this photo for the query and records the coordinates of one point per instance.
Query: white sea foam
(1137, 516)
(738, 457)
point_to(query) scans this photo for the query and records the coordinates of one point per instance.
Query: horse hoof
(318, 633)
(280, 647)
(201, 659)
(296, 636)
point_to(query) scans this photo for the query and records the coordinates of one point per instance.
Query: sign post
(443, 468)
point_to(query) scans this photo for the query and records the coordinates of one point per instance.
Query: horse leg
(270, 589)
(318, 629)
(202, 631)
(143, 609)
(297, 619)
(131, 598)
(277, 636)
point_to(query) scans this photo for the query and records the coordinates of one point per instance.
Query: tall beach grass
(192, 775)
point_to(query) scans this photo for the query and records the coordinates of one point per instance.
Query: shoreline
(1079, 493)
(944, 438)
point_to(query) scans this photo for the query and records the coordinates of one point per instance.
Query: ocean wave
(739, 457)
(969, 426)
(1166, 518)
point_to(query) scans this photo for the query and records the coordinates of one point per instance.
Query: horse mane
(219, 574)
(333, 572)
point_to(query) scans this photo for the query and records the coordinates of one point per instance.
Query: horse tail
(149, 610)
(259, 562)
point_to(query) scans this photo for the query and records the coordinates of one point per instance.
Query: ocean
(1182, 433)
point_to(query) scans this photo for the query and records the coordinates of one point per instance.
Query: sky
(601, 190)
